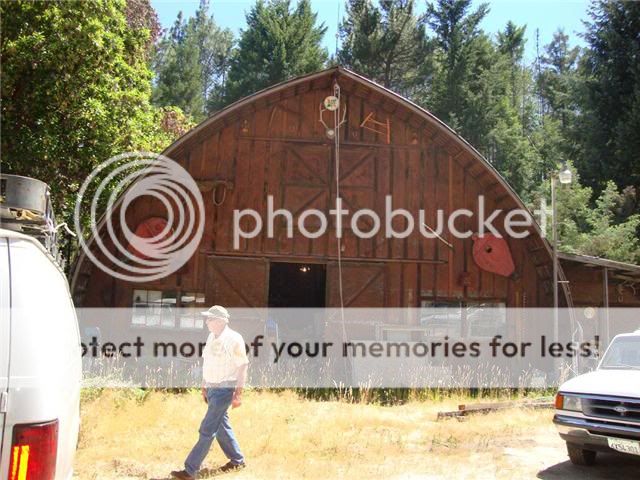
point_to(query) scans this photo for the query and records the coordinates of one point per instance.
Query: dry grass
(283, 436)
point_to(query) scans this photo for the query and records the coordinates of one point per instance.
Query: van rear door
(5, 330)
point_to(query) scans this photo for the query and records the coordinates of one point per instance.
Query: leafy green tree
(279, 43)
(141, 15)
(386, 43)
(573, 208)
(610, 238)
(601, 229)
(604, 235)
(172, 123)
(75, 91)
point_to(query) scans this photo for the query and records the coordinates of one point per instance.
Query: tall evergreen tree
(178, 70)
(215, 49)
(462, 49)
(386, 43)
(478, 89)
(609, 127)
(511, 44)
(557, 79)
(279, 43)
(192, 62)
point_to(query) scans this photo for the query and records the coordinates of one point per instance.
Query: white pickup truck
(600, 411)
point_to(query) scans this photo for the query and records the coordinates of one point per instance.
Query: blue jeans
(215, 425)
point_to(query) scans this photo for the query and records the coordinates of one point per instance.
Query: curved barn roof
(291, 87)
(338, 72)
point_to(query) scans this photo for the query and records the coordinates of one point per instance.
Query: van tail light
(33, 451)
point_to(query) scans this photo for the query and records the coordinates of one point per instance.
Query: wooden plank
(273, 187)
(242, 190)
(428, 275)
(399, 200)
(456, 255)
(414, 185)
(485, 408)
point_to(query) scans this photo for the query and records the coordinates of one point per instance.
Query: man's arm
(204, 386)
(204, 393)
(241, 379)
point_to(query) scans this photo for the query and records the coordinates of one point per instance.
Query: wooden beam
(325, 141)
(324, 258)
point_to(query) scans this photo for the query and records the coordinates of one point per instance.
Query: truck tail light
(33, 451)
(559, 401)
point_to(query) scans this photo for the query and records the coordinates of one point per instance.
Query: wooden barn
(276, 142)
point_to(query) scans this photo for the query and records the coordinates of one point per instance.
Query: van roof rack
(25, 207)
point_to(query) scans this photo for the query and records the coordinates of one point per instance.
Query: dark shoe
(182, 475)
(231, 467)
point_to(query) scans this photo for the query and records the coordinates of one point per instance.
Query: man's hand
(236, 401)
(204, 395)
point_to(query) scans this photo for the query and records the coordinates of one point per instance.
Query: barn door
(362, 285)
(237, 282)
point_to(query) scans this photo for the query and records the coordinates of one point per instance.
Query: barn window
(486, 319)
(461, 319)
(191, 306)
(167, 309)
(441, 318)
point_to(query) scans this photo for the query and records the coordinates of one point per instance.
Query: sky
(545, 15)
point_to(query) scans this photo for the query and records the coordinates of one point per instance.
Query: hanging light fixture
(565, 175)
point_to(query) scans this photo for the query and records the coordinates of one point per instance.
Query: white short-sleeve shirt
(222, 356)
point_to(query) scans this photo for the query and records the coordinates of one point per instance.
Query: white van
(40, 364)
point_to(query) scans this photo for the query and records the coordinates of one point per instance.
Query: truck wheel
(579, 456)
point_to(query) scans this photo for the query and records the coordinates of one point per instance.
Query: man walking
(224, 372)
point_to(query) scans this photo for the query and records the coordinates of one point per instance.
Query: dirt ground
(126, 436)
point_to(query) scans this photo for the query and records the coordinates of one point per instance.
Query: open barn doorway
(297, 285)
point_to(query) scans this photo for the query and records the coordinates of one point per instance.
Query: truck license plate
(625, 446)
